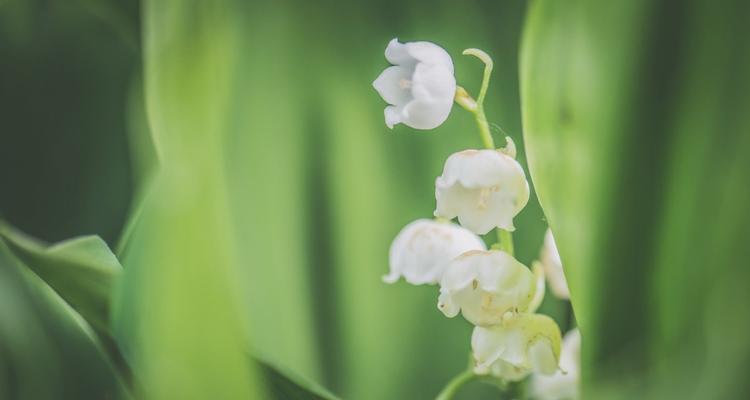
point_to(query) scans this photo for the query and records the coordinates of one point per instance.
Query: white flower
(553, 268)
(420, 85)
(422, 250)
(484, 285)
(483, 188)
(519, 345)
(563, 385)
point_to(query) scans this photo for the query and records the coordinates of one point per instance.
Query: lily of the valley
(484, 285)
(485, 189)
(519, 345)
(422, 250)
(563, 385)
(553, 269)
(420, 85)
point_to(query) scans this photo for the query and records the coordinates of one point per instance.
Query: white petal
(390, 85)
(433, 83)
(449, 199)
(446, 304)
(422, 250)
(553, 268)
(487, 347)
(420, 114)
(393, 116)
(396, 53)
(482, 215)
(392, 277)
(430, 53)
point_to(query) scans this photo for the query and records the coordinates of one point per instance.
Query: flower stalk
(450, 389)
(505, 241)
(476, 107)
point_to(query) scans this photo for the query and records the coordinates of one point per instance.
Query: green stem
(505, 238)
(477, 107)
(484, 127)
(455, 384)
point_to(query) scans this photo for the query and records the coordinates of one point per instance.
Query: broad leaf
(636, 125)
(177, 314)
(47, 351)
(285, 384)
(81, 270)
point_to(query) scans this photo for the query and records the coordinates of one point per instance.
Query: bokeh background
(234, 156)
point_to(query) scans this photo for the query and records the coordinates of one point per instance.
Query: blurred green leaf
(81, 270)
(177, 312)
(638, 141)
(47, 351)
(284, 384)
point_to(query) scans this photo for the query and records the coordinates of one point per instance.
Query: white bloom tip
(390, 278)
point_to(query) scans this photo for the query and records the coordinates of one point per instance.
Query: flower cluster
(484, 189)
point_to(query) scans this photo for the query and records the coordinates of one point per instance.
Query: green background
(234, 156)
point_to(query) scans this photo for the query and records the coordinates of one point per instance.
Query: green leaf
(285, 384)
(47, 351)
(636, 127)
(178, 318)
(81, 270)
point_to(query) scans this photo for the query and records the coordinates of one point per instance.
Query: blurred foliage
(81, 270)
(176, 313)
(46, 350)
(638, 137)
(64, 152)
(235, 156)
(285, 384)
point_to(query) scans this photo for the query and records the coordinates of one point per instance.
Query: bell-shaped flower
(484, 285)
(553, 268)
(519, 345)
(563, 385)
(422, 250)
(485, 189)
(419, 87)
